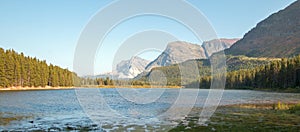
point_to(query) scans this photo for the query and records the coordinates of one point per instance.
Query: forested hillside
(173, 73)
(17, 70)
(280, 74)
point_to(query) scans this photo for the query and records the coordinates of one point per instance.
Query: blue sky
(50, 29)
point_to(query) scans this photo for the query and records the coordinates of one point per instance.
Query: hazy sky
(50, 29)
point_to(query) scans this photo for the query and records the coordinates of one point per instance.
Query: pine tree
(19, 70)
(3, 80)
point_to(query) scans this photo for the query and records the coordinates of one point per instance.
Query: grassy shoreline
(247, 117)
(278, 90)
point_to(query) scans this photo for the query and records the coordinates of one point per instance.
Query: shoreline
(288, 90)
(34, 88)
(242, 117)
(136, 86)
(67, 88)
(246, 117)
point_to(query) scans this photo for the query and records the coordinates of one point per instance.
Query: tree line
(243, 73)
(17, 70)
(279, 74)
(174, 76)
(97, 81)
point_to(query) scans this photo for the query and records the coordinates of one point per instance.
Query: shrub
(281, 106)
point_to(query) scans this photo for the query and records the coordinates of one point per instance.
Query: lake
(115, 109)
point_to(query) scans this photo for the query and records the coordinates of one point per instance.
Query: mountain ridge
(276, 36)
(180, 51)
(175, 52)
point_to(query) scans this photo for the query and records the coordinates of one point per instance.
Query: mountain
(126, 69)
(276, 36)
(179, 51)
(217, 45)
(175, 52)
(131, 68)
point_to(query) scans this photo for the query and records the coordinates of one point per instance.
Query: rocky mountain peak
(131, 68)
(177, 52)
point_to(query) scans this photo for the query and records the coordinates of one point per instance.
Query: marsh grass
(295, 109)
(248, 117)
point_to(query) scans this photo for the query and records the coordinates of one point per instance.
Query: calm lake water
(113, 109)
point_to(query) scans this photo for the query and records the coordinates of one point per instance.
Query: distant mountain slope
(217, 45)
(276, 36)
(131, 68)
(177, 52)
(180, 51)
(126, 69)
